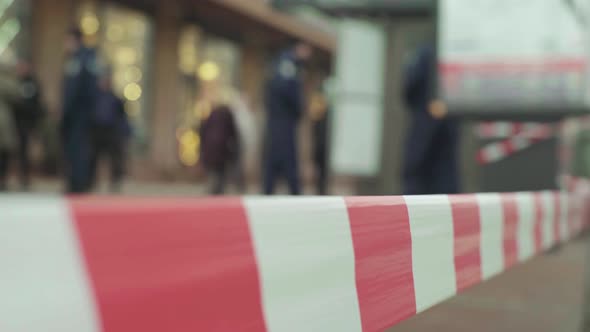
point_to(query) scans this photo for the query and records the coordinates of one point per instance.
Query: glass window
(209, 71)
(123, 37)
(14, 30)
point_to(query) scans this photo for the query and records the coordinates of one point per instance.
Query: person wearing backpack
(109, 132)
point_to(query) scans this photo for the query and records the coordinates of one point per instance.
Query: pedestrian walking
(284, 107)
(28, 113)
(9, 95)
(110, 130)
(219, 147)
(431, 152)
(79, 100)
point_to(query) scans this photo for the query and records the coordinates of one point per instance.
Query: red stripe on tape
(383, 254)
(510, 214)
(467, 235)
(171, 265)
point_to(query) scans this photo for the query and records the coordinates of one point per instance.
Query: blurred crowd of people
(20, 113)
(223, 146)
(93, 123)
(94, 126)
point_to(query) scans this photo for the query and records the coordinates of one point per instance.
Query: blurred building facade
(169, 58)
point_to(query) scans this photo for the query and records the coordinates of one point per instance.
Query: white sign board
(357, 119)
(524, 53)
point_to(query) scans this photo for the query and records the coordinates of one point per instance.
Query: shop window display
(14, 30)
(123, 37)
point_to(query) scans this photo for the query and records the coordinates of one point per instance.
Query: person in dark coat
(110, 131)
(9, 94)
(431, 153)
(284, 106)
(28, 112)
(219, 146)
(79, 99)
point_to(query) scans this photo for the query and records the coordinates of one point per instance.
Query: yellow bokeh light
(133, 74)
(189, 148)
(208, 71)
(132, 91)
(115, 32)
(89, 24)
(126, 56)
(190, 139)
(189, 158)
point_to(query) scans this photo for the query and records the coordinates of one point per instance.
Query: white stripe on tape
(492, 234)
(520, 142)
(548, 207)
(43, 283)
(565, 212)
(494, 152)
(433, 263)
(525, 226)
(504, 129)
(306, 263)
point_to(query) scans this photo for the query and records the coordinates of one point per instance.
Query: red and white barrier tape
(255, 264)
(495, 152)
(500, 129)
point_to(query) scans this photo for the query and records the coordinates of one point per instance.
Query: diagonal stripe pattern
(357, 264)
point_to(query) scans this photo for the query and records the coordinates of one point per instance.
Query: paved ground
(143, 188)
(543, 295)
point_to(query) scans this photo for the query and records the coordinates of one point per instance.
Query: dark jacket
(419, 80)
(80, 90)
(430, 160)
(110, 115)
(219, 138)
(29, 110)
(284, 105)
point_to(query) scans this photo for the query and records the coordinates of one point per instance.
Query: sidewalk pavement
(543, 295)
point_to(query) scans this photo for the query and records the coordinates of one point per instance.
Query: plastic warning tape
(257, 264)
(501, 129)
(498, 151)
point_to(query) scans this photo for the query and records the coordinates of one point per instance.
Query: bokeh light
(132, 91)
(209, 71)
(133, 74)
(189, 145)
(89, 24)
(126, 56)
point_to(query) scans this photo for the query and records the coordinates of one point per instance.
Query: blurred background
(315, 97)
(285, 96)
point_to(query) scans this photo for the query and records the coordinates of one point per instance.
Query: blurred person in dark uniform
(219, 146)
(431, 153)
(28, 112)
(109, 132)
(79, 101)
(9, 96)
(284, 107)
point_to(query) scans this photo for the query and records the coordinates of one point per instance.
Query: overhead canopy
(245, 19)
(395, 7)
